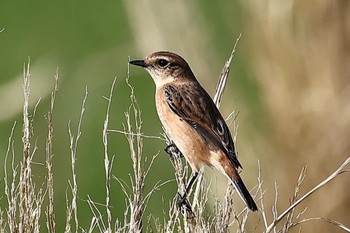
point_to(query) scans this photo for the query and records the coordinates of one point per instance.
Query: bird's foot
(183, 204)
(172, 151)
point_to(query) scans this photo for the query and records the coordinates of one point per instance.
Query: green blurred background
(289, 81)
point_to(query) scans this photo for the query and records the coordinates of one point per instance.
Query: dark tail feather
(244, 193)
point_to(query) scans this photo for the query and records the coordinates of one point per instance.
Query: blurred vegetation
(289, 81)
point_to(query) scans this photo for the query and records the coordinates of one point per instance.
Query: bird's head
(165, 67)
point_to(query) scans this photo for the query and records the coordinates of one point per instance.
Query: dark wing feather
(194, 105)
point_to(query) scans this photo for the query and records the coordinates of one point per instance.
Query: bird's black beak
(138, 63)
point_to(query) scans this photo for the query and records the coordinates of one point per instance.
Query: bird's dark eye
(163, 63)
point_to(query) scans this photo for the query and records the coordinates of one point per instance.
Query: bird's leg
(182, 199)
(172, 150)
(193, 178)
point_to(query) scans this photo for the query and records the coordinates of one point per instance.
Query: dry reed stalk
(72, 208)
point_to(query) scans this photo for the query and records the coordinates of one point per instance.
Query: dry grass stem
(73, 151)
(97, 219)
(50, 215)
(135, 134)
(137, 180)
(220, 87)
(30, 202)
(11, 189)
(333, 222)
(107, 162)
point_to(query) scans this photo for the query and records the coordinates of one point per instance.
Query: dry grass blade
(97, 219)
(136, 134)
(11, 192)
(135, 145)
(50, 215)
(25, 174)
(29, 202)
(290, 216)
(262, 192)
(220, 87)
(224, 210)
(108, 164)
(73, 151)
(337, 172)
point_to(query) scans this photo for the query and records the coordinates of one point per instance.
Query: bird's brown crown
(163, 59)
(165, 66)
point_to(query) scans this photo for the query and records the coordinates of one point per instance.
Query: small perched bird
(192, 120)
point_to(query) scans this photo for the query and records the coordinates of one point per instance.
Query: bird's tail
(244, 193)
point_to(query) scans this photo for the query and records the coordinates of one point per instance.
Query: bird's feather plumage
(202, 115)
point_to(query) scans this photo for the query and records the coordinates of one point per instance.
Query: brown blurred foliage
(301, 59)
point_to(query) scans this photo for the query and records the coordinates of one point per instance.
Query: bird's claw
(183, 203)
(172, 150)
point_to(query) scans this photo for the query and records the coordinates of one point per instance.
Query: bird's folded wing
(195, 107)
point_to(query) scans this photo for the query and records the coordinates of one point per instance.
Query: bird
(192, 120)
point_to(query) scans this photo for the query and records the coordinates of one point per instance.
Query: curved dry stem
(337, 172)
(333, 222)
